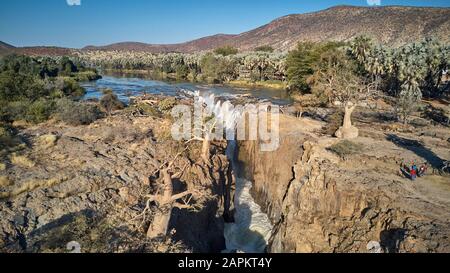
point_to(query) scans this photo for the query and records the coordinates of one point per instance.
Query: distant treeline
(33, 89)
(223, 65)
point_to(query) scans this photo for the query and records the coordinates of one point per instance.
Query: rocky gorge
(91, 185)
(322, 202)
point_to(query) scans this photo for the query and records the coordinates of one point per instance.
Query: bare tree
(166, 200)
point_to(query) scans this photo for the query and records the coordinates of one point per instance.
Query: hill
(391, 25)
(5, 48)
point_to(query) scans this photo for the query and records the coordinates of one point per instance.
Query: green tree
(336, 80)
(303, 62)
(67, 67)
(361, 47)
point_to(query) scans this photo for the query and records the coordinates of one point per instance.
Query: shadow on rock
(391, 239)
(418, 148)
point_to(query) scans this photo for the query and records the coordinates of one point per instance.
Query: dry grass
(5, 182)
(2, 167)
(32, 185)
(47, 141)
(21, 160)
(346, 148)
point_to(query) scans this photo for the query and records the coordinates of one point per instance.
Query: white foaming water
(252, 228)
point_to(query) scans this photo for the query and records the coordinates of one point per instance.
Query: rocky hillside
(5, 48)
(88, 184)
(205, 43)
(393, 25)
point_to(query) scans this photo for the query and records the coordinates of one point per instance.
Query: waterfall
(252, 228)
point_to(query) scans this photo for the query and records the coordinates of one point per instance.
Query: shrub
(144, 109)
(345, 148)
(226, 51)
(70, 87)
(110, 102)
(77, 113)
(39, 111)
(334, 121)
(167, 104)
(21, 160)
(86, 76)
(7, 139)
(182, 72)
(5, 182)
(17, 110)
(47, 141)
(265, 48)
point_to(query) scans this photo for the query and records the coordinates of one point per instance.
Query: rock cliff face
(322, 203)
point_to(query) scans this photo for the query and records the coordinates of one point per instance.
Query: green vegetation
(408, 73)
(327, 72)
(110, 102)
(340, 72)
(76, 113)
(210, 67)
(215, 69)
(346, 148)
(304, 61)
(226, 51)
(30, 88)
(167, 104)
(265, 48)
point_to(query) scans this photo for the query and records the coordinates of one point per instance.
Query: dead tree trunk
(166, 201)
(160, 223)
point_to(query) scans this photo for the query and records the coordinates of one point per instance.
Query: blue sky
(99, 22)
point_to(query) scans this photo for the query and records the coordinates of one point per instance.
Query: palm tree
(361, 48)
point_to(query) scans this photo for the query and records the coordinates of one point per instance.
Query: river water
(252, 228)
(251, 231)
(126, 86)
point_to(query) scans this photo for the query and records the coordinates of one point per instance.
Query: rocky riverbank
(324, 195)
(96, 185)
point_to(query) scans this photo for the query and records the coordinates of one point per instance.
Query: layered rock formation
(320, 202)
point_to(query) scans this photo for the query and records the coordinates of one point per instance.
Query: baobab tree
(166, 200)
(337, 80)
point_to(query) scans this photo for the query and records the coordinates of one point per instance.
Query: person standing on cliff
(414, 171)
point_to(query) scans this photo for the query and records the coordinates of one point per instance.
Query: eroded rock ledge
(320, 202)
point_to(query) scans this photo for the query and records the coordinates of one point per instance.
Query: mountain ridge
(390, 25)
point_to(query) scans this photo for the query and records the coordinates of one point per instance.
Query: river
(129, 85)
